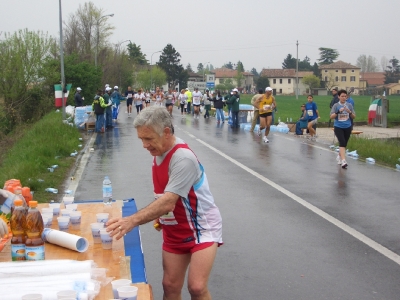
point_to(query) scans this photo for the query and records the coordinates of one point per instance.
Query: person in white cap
(116, 98)
(78, 98)
(266, 105)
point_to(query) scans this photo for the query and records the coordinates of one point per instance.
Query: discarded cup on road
(96, 232)
(106, 239)
(63, 223)
(51, 190)
(119, 283)
(127, 292)
(102, 217)
(370, 160)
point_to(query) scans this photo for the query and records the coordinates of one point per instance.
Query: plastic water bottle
(107, 191)
(17, 226)
(34, 244)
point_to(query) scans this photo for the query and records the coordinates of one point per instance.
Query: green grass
(37, 150)
(384, 151)
(289, 107)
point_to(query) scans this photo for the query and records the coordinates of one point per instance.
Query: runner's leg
(174, 266)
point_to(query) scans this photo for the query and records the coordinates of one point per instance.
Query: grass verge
(384, 151)
(47, 142)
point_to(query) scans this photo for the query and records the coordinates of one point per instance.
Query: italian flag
(372, 110)
(58, 94)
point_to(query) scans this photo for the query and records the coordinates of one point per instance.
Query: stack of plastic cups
(67, 294)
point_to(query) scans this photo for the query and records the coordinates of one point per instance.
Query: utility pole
(297, 71)
(62, 64)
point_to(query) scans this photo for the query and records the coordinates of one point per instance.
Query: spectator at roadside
(234, 101)
(303, 120)
(78, 97)
(256, 113)
(219, 106)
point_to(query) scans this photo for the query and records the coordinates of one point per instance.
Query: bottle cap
(18, 202)
(32, 203)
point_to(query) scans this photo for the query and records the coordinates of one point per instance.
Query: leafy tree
(229, 65)
(254, 72)
(327, 55)
(311, 81)
(155, 75)
(289, 62)
(22, 72)
(304, 65)
(211, 67)
(316, 70)
(200, 68)
(262, 82)
(189, 68)
(239, 66)
(392, 73)
(170, 63)
(367, 64)
(136, 55)
(226, 86)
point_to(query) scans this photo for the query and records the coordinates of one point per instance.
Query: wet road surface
(295, 225)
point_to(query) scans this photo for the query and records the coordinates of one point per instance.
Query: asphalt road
(295, 225)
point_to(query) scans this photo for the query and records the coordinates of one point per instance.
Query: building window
(352, 71)
(280, 91)
(221, 80)
(326, 79)
(336, 78)
(326, 71)
(280, 81)
(274, 81)
(343, 78)
(288, 81)
(352, 78)
(343, 71)
(336, 71)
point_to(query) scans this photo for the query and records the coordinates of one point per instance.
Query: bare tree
(367, 63)
(86, 30)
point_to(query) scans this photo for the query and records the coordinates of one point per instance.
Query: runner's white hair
(156, 117)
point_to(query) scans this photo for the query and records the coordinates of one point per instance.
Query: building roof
(283, 73)
(193, 74)
(373, 78)
(228, 73)
(338, 65)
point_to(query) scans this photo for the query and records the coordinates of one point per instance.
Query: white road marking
(358, 235)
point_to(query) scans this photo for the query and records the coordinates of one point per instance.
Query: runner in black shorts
(129, 94)
(169, 101)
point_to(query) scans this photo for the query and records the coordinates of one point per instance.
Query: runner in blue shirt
(343, 113)
(313, 116)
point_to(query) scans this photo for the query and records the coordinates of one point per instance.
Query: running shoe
(258, 132)
(339, 162)
(265, 140)
(344, 164)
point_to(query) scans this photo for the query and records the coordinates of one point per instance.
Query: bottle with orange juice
(34, 245)
(17, 226)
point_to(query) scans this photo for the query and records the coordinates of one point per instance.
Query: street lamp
(62, 62)
(151, 71)
(97, 41)
(117, 52)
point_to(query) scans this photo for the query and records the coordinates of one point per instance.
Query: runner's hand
(119, 227)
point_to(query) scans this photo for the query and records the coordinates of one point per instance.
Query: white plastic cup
(63, 223)
(65, 212)
(76, 217)
(102, 217)
(119, 283)
(66, 294)
(127, 292)
(56, 208)
(46, 210)
(72, 206)
(68, 200)
(32, 297)
(96, 232)
(106, 239)
(49, 217)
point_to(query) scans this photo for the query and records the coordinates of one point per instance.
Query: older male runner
(183, 208)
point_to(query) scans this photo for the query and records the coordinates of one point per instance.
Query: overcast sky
(259, 33)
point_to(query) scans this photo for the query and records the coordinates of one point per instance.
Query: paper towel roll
(66, 240)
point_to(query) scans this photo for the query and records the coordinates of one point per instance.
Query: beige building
(341, 75)
(391, 88)
(222, 74)
(283, 81)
